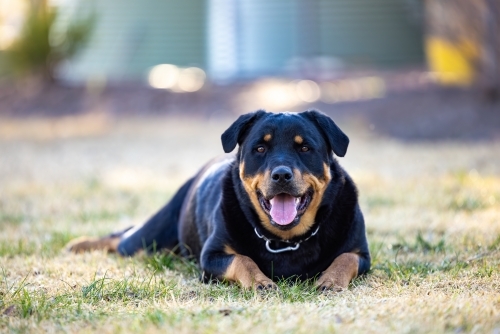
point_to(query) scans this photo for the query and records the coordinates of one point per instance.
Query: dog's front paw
(340, 273)
(263, 283)
(328, 283)
(245, 272)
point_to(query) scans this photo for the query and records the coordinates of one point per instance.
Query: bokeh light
(191, 79)
(280, 94)
(307, 91)
(168, 76)
(11, 19)
(163, 76)
(364, 88)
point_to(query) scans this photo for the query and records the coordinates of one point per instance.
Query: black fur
(236, 132)
(337, 140)
(213, 210)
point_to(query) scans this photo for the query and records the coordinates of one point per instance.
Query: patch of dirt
(10, 311)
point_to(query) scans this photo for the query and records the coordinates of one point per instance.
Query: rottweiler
(281, 207)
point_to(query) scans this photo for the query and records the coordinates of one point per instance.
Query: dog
(281, 207)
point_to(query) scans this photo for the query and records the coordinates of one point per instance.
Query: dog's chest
(304, 262)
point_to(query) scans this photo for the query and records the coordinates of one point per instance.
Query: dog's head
(284, 164)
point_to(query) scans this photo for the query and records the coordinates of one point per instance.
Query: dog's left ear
(236, 132)
(336, 138)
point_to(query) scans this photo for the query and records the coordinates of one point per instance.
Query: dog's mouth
(285, 209)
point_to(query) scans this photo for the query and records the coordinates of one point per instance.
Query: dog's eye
(260, 149)
(304, 149)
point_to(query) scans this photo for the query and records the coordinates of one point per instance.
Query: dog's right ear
(236, 132)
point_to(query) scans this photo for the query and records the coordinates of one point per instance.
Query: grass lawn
(432, 212)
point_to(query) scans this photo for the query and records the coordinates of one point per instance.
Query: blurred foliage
(42, 46)
(454, 63)
(462, 41)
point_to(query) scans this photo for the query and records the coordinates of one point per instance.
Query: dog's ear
(337, 139)
(236, 132)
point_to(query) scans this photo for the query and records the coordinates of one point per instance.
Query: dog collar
(284, 249)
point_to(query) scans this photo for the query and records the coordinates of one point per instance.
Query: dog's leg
(340, 273)
(244, 271)
(159, 232)
(85, 244)
(235, 268)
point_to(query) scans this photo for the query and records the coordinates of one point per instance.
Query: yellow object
(453, 64)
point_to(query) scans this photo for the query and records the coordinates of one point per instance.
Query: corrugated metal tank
(131, 36)
(379, 32)
(244, 38)
(280, 36)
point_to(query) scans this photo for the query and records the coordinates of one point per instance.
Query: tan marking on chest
(229, 250)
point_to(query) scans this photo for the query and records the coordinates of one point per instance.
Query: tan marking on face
(319, 186)
(244, 271)
(251, 185)
(267, 137)
(303, 182)
(340, 273)
(229, 250)
(298, 139)
(86, 244)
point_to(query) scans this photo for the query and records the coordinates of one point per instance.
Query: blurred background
(412, 69)
(78, 72)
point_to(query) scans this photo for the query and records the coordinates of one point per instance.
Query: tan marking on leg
(267, 137)
(340, 273)
(229, 250)
(298, 139)
(244, 271)
(85, 244)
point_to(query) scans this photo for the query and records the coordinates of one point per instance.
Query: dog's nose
(282, 174)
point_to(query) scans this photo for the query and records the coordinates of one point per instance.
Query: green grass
(52, 244)
(12, 219)
(434, 239)
(163, 290)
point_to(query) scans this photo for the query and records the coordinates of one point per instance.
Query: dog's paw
(86, 244)
(246, 273)
(259, 282)
(326, 283)
(80, 245)
(265, 285)
(339, 274)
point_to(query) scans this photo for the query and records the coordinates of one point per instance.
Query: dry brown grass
(432, 213)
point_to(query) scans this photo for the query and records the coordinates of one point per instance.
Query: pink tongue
(283, 209)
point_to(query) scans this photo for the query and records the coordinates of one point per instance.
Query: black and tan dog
(281, 207)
